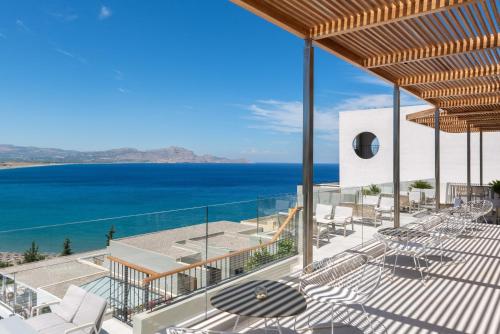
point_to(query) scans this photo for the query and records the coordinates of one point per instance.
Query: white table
(15, 325)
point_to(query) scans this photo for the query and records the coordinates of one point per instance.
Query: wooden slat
(481, 101)
(377, 17)
(461, 91)
(434, 51)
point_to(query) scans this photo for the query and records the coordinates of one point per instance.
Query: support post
(307, 152)
(395, 147)
(480, 157)
(469, 189)
(437, 152)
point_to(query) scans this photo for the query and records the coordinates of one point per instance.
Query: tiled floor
(458, 297)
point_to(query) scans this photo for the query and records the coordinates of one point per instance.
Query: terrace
(444, 52)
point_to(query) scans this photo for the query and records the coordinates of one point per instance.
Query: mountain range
(172, 154)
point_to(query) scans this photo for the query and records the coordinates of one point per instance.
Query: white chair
(79, 312)
(342, 217)
(345, 279)
(385, 206)
(370, 200)
(323, 218)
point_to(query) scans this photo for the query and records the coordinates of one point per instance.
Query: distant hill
(170, 154)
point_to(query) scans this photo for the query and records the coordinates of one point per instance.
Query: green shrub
(373, 189)
(32, 254)
(495, 186)
(420, 184)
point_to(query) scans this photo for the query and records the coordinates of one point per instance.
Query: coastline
(15, 165)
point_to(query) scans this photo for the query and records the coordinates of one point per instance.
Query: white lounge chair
(385, 206)
(342, 217)
(323, 218)
(79, 312)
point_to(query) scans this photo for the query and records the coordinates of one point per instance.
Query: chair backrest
(342, 212)
(386, 202)
(183, 330)
(429, 193)
(370, 199)
(323, 210)
(343, 270)
(70, 303)
(91, 310)
(415, 196)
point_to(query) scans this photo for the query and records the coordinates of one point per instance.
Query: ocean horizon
(76, 201)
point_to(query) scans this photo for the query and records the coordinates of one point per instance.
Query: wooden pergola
(445, 52)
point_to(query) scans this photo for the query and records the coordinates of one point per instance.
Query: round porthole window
(365, 145)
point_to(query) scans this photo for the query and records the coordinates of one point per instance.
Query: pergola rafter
(384, 15)
(450, 76)
(461, 91)
(434, 51)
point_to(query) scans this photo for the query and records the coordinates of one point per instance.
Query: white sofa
(79, 312)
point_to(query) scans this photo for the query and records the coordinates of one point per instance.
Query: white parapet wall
(417, 151)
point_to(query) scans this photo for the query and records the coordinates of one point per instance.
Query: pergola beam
(450, 76)
(377, 17)
(479, 101)
(434, 51)
(461, 91)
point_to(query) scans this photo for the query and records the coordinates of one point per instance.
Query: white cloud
(64, 16)
(123, 90)
(371, 80)
(118, 74)
(2, 36)
(286, 116)
(104, 13)
(20, 24)
(71, 55)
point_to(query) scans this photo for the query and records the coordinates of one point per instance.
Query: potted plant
(420, 184)
(495, 187)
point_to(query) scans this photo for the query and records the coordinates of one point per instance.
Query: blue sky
(205, 75)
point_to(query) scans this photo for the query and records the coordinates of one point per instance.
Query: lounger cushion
(68, 306)
(45, 321)
(59, 329)
(90, 311)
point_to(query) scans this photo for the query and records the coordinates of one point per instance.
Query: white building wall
(417, 150)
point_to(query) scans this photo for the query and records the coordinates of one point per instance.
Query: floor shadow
(437, 258)
(405, 261)
(325, 328)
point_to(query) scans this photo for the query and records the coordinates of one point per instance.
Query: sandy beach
(12, 165)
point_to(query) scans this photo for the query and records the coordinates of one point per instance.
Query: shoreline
(16, 165)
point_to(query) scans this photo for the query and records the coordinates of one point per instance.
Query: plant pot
(496, 200)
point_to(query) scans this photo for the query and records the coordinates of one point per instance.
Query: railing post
(480, 157)
(395, 149)
(469, 188)
(307, 152)
(125, 295)
(15, 295)
(146, 293)
(437, 172)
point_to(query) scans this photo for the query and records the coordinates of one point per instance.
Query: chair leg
(236, 323)
(332, 322)
(394, 266)
(367, 317)
(417, 266)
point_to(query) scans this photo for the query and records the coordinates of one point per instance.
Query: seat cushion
(59, 329)
(68, 306)
(90, 311)
(44, 321)
(329, 294)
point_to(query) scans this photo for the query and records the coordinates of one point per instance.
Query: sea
(83, 202)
